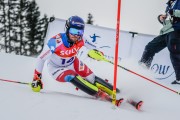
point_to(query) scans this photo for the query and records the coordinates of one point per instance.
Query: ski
(119, 102)
(136, 103)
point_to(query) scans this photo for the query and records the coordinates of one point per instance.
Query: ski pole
(142, 76)
(25, 83)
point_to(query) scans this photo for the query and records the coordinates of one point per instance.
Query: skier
(61, 54)
(169, 37)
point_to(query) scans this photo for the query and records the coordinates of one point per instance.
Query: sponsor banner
(130, 46)
(162, 66)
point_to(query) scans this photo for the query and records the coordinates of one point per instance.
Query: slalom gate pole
(143, 77)
(116, 52)
(15, 82)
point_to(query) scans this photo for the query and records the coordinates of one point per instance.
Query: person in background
(62, 54)
(169, 37)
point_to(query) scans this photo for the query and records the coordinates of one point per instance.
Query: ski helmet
(75, 24)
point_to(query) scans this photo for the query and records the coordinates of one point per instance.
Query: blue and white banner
(129, 46)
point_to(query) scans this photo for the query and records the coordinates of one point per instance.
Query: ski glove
(36, 84)
(95, 54)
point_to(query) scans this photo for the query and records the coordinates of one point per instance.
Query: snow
(60, 101)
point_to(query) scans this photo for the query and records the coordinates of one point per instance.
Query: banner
(130, 46)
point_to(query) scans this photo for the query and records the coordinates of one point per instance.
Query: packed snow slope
(60, 101)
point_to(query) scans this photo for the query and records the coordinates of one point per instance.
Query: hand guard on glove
(95, 54)
(36, 84)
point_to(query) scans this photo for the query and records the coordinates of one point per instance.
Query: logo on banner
(162, 71)
(94, 37)
(93, 43)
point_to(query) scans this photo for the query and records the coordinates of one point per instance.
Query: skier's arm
(92, 51)
(36, 83)
(96, 54)
(84, 50)
(45, 54)
(84, 53)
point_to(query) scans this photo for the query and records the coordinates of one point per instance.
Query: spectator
(169, 37)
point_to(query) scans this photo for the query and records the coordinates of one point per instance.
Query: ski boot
(104, 85)
(136, 104)
(102, 95)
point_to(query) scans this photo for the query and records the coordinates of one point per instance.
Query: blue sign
(162, 70)
(94, 37)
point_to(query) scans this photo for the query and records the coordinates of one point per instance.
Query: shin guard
(84, 85)
(105, 86)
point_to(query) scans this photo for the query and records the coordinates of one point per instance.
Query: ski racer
(61, 53)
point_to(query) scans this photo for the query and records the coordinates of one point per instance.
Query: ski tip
(118, 102)
(139, 104)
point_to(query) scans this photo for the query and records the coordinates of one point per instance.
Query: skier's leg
(66, 75)
(105, 86)
(83, 70)
(69, 75)
(84, 85)
(91, 89)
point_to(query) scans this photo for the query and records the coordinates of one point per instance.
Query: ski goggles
(74, 31)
